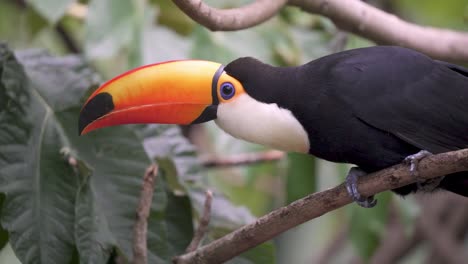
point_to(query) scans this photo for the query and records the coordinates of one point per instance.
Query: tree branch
(383, 28)
(350, 15)
(203, 225)
(243, 159)
(230, 19)
(317, 204)
(140, 254)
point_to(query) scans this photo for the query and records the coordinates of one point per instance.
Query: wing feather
(422, 101)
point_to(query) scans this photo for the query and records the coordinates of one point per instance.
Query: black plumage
(371, 107)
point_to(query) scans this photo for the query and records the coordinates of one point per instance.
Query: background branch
(243, 159)
(440, 231)
(317, 204)
(336, 244)
(350, 15)
(384, 28)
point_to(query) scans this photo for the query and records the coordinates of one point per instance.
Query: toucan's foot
(430, 184)
(351, 187)
(413, 161)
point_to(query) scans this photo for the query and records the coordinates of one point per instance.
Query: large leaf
(27, 24)
(52, 205)
(52, 10)
(171, 16)
(115, 26)
(38, 210)
(301, 178)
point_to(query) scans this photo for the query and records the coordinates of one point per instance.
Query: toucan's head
(195, 91)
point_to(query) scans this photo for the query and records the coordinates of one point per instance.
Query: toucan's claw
(351, 187)
(413, 161)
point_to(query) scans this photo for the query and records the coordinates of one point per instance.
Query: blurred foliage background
(114, 36)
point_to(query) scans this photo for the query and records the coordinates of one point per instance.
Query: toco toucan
(372, 107)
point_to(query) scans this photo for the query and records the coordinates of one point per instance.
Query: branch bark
(243, 159)
(203, 225)
(140, 254)
(317, 204)
(350, 15)
(230, 19)
(383, 28)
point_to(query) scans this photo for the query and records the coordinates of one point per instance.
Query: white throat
(262, 123)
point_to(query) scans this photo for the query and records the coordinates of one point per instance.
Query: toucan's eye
(227, 90)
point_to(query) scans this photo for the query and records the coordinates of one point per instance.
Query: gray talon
(369, 202)
(351, 187)
(413, 161)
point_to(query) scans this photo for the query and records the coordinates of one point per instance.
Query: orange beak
(174, 92)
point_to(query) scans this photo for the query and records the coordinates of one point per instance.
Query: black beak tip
(97, 107)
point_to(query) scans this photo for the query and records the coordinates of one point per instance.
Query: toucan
(372, 107)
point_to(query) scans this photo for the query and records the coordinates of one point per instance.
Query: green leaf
(263, 253)
(93, 237)
(172, 48)
(171, 16)
(434, 13)
(65, 192)
(182, 171)
(111, 26)
(27, 24)
(39, 185)
(7, 255)
(161, 142)
(178, 219)
(300, 180)
(119, 161)
(209, 46)
(52, 10)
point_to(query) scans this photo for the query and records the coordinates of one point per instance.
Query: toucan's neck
(264, 114)
(263, 123)
(266, 83)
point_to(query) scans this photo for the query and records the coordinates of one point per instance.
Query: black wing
(422, 101)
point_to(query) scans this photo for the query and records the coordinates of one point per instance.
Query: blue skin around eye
(229, 94)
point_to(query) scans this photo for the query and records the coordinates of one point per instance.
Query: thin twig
(140, 254)
(67, 38)
(243, 159)
(317, 204)
(203, 225)
(339, 41)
